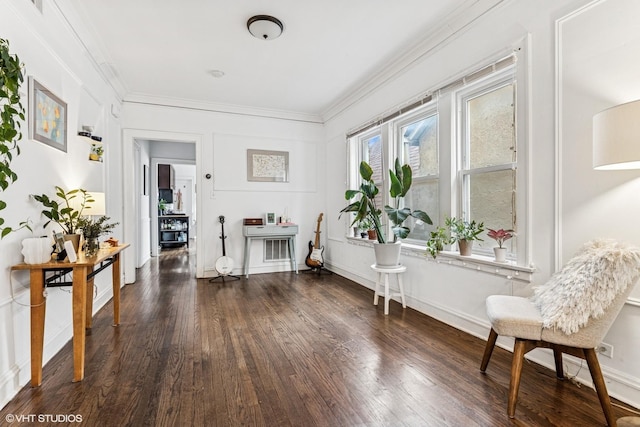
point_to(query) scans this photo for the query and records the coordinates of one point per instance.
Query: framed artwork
(47, 116)
(267, 166)
(270, 218)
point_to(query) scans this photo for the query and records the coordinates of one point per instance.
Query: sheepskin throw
(587, 284)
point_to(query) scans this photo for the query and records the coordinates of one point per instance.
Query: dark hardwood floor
(287, 350)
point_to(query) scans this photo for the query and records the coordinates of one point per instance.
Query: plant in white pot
(387, 253)
(500, 236)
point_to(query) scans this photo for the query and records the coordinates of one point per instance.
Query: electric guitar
(314, 258)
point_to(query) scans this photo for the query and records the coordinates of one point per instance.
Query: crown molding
(146, 99)
(454, 24)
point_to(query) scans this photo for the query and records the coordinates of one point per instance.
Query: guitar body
(224, 264)
(314, 259)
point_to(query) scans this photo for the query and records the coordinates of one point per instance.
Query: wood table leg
(115, 280)
(89, 309)
(79, 320)
(38, 307)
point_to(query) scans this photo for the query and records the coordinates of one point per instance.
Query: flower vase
(91, 246)
(501, 254)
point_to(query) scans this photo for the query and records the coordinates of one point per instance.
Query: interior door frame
(130, 201)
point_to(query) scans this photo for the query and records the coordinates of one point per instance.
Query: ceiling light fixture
(217, 73)
(265, 27)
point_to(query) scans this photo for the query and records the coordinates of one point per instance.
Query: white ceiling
(165, 49)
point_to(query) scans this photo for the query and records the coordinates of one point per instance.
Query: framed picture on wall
(47, 116)
(267, 166)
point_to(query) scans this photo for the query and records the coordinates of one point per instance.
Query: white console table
(262, 232)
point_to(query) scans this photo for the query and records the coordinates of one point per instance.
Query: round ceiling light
(265, 27)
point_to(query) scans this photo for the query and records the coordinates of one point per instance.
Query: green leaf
(365, 171)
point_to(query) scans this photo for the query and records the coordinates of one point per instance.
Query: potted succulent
(92, 229)
(464, 232)
(500, 236)
(65, 210)
(387, 253)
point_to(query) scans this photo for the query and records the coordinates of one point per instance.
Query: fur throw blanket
(587, 284)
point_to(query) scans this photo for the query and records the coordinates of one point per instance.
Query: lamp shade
(264, 27)
(97, 207)
(616, 137)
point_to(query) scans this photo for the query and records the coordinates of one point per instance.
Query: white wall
(594, 204)
(56, 59)
(225, 139)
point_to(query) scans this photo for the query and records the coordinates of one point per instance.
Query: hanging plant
(11, 115)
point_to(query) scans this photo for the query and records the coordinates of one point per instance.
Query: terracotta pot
(372, 234)
(465, 246)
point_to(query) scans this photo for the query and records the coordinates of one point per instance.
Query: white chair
(570, 314)
(385, 271)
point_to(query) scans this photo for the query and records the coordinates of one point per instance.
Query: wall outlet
(605, 349)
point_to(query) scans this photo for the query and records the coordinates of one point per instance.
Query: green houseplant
(65, 210)
(92, 229)
(365, 205)
(464, 232)
(11, 115)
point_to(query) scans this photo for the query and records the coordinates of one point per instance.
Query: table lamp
(616, 146)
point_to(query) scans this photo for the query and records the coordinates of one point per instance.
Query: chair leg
(519, 350)
(557, 355)
(488, 350)
(601, 387)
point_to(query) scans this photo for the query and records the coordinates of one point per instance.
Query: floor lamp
(616, 146)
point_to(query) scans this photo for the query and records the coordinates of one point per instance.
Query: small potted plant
(66, 210)
(364, 226)
(464, 232)
(500, 236)
(92, 229)
(438, 238)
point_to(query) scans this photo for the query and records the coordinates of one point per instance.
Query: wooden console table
(82, 294)
(269, 232)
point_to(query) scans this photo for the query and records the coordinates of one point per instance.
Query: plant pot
(75, 240)
(356, 232)
(465, 246)
(363, 234)
(372, 234)
(501, 254)
(387, 254)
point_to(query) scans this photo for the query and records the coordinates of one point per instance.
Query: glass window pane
(491, 128)
(423, 196)
(372, 148)
(492, 201)
(420, 144)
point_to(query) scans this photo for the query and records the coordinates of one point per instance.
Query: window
(462, 143)
(488, 155)
(418, 138)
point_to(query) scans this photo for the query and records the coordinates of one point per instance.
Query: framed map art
(267, 166)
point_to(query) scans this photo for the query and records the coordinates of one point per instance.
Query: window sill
(509, 270)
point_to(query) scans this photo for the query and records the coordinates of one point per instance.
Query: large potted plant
(387, 253)
(66, 210)
(12, 113)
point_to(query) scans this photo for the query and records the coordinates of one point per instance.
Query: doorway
(133, 204)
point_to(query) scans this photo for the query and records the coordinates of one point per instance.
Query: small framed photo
(47, 116)
(270, 218)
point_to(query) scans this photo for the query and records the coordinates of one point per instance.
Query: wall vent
(276, 250)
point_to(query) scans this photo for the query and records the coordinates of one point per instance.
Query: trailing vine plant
(11, 115)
